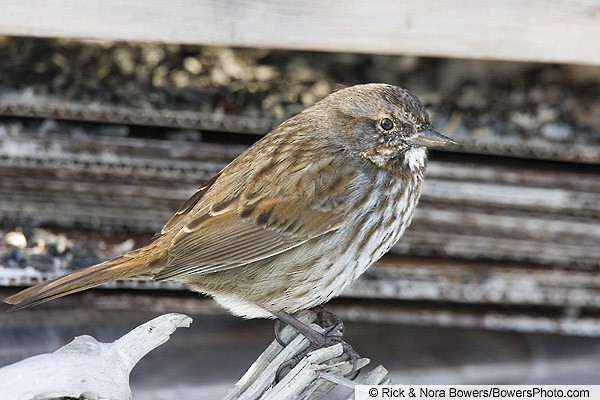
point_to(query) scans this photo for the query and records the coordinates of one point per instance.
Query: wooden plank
(536, 30)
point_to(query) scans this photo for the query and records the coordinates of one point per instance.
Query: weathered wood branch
(86, 367)
(89, 369)
(319, 372)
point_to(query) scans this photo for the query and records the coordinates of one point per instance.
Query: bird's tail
(133, 264)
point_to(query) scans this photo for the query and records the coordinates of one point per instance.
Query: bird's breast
(383, 217)
(377, 221)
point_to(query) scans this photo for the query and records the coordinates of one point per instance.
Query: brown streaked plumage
(294, 219)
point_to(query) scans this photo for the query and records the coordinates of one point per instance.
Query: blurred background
(109, 121)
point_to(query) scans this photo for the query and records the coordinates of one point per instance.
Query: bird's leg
(327, 320)
(331, 336)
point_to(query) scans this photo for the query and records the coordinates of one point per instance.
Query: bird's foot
(330, 322)
(333, 329)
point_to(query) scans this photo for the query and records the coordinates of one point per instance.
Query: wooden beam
(565, 31)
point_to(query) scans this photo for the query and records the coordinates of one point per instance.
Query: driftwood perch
(86, 367)
(312, 378)
(89, 369)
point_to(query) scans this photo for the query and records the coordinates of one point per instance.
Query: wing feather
(241, 217)
(228, 240)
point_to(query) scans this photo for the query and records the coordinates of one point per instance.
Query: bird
(293, 220)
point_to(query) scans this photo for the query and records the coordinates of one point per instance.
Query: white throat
(415, 158)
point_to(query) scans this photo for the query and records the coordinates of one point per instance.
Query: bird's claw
(330, 322)
(332, 335)
(278, 328)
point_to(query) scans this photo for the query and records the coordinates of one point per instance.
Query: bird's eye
(386, 124)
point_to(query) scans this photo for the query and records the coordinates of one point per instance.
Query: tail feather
(130, 265)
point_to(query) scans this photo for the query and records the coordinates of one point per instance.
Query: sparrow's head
(384, 124)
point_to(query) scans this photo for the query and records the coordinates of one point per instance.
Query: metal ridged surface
(506, 235)
(57, 109)
(469, 209)
(490, 232)
(536, 147)
(472, 209)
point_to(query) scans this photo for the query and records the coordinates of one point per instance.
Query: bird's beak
(429, 137)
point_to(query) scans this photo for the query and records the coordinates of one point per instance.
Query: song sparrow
(296, 218)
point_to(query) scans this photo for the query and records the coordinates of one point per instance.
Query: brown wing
(213, 241)
(244, 216)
